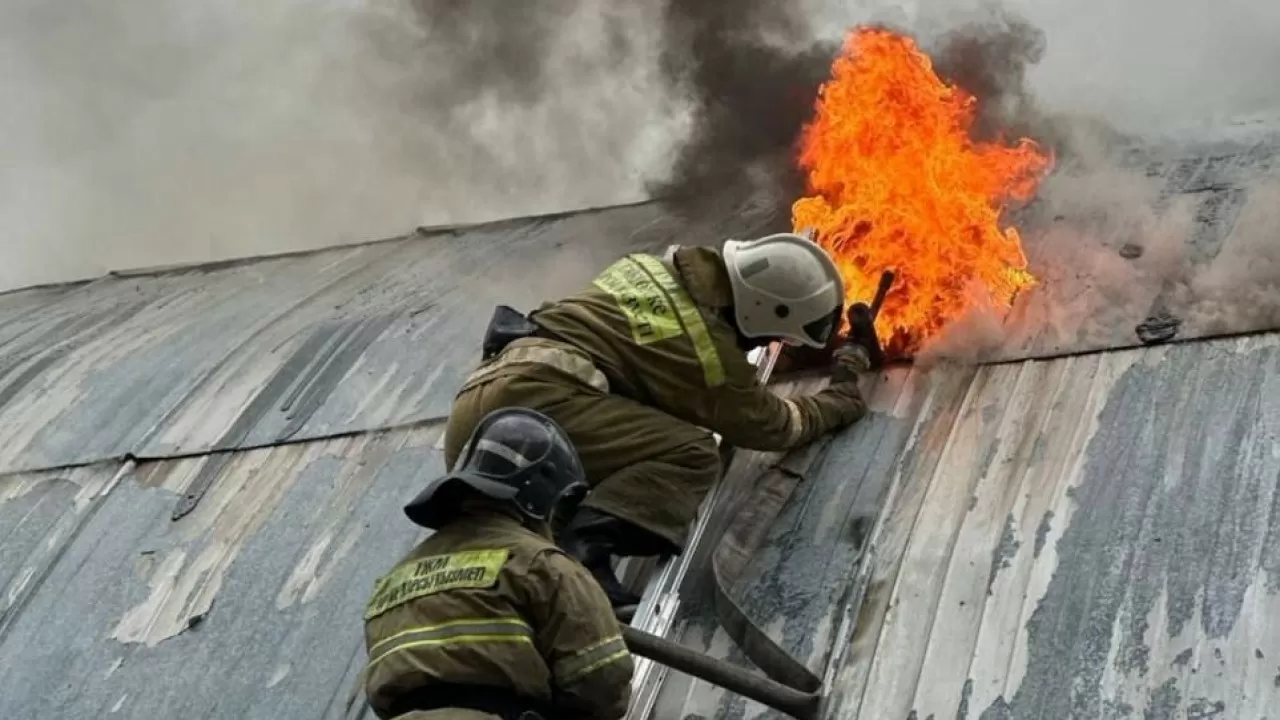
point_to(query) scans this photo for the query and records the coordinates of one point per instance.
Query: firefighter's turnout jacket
(637, 369)
(488, 608)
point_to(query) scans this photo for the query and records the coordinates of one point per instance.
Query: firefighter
(643, 365)
(487, 617)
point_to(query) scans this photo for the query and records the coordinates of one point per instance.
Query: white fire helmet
(785, 287)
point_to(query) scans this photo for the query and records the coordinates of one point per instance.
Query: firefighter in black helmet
(487, 618)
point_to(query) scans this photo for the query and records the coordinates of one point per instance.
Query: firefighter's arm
(579, 636)
(746, 413)
(750, 415)
(714, 386)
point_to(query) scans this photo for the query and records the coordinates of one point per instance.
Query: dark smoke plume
(751, 71)
(989, 58)
(180, 131)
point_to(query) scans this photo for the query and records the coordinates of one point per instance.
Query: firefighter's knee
(700, 457)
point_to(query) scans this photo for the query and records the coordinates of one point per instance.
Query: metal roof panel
(241, 609)
(1092, 536)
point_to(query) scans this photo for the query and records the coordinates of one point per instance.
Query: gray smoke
(1113, 236)
(499, 48)
(159, 131)
(990, 57)
(1239, 289)
(1115, 244)
(156, 131)
(750, 72)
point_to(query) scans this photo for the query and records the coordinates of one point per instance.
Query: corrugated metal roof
(1164, 231)
(235, 611)
(251, 353)
(239, 354)
(114, 394)
(955, 466)
(1090, 537)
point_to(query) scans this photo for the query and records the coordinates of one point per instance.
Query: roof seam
(422, 423)
(1134, 346)
(423, 232)
(265, 328)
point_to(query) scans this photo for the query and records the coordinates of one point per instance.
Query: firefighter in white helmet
(644, 364)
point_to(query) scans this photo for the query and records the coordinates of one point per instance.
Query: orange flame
(896, 183)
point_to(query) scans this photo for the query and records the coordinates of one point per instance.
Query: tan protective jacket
(660, 335)
(486, 601)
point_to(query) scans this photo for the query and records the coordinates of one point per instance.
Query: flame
(896, 183)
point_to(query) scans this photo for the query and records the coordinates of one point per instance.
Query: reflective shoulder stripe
(429, 575)
(795, 421)
(573, 668)
(566, 361)
(467, 631)
(645, 303)
(690, 318)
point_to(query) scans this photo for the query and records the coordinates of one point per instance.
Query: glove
(851, 360)
(841, 401)
(862, 331)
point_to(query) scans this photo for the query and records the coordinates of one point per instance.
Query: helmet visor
(819, 331)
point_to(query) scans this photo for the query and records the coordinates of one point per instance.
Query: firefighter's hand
(862, 332)
(843, 400)
(851, 360)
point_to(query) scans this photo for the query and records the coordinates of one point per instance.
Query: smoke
(750, 72)
(159, 131)
(1103, 245)
(156, 131)
(1239, 288)
(1112, 240)
(495, 47)
(990, 58)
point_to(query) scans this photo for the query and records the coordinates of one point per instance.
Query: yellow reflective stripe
(468, 625)
(795, 421)
(564, 360)
(703, 345)
(584, 662)
(458, 632)
(641, 300)
(429, 575)
(615, 656)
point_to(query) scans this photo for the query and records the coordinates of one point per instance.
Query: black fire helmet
(515, 454)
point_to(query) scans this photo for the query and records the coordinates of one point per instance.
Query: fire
(896, 183)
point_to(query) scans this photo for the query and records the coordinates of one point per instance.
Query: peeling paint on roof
(209, 616)
(40, 513)
(1153, 585)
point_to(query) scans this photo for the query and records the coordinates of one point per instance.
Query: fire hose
(796, 703)
(789, 685)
